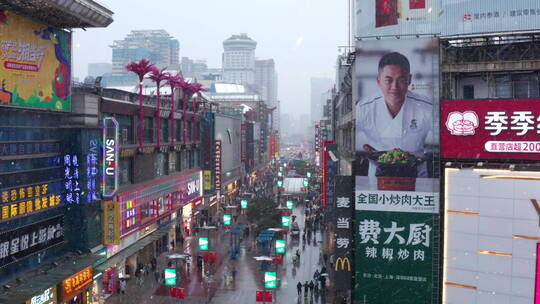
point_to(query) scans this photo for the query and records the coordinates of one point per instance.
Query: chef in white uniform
(397, 118)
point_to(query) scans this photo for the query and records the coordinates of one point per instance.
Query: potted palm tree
(141, 68)
(157, 76)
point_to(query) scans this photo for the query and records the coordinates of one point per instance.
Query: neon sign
(110, 156)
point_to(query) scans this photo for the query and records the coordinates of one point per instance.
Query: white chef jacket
(408, 131)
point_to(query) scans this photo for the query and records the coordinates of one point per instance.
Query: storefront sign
(498, 128)
(111, 223)
(394, 252)
(46, 297)
(36, 64)
(343, 241)
(217, 171)
(147, 150)
(76, 283)
(397, 201)
(17, 149)
(127, 153)
(21, 201)
(207, 180)
(110, 156)
(72, 187)
(27, 240)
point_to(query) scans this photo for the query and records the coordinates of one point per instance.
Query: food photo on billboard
(396, 106)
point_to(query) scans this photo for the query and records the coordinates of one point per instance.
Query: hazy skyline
(302, 36)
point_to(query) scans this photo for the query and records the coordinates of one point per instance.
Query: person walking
(306, 286)
(299, 288)
(311, 285)
(122, 286)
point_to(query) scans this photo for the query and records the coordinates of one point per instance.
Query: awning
(35, 281)
(129, 251)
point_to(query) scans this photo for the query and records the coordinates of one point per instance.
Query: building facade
(319, 93)
(238, 60)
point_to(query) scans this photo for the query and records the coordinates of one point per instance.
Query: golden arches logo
(342, 262)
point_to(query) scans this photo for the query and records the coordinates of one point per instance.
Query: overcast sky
(301, 35)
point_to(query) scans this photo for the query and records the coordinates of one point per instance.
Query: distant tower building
(155, 45)
(320, 92)
(193, 68)
(266, 80)
(238, 60)
(99, 69)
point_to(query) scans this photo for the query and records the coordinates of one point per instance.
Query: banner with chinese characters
(444, 17)
(343, 241)
(396, 232)
(111, 223)
(21, 201)
(495, 128)
(31, 239)
(36, 64)
(77, 283)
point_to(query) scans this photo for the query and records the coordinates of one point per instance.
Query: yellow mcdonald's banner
(35, 64)
(207, 180)
(341, 262)
(111, 223)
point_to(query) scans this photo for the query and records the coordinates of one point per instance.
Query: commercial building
(238, 60)
(319, 94)
(97, 69)
(193, 68)
(155, 45)
(45, 189)
(266, 80)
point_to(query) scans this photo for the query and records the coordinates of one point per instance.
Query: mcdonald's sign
(341, 262)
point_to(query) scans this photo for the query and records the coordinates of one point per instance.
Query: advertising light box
(36, 64)
(496, 128)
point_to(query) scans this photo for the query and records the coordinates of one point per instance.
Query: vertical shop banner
(217, 168)
(330, 163)
(28, 240)
(35, 64)
(111, 223)
(110, 156)
(343, 241)
(397, 183)
(243, 144)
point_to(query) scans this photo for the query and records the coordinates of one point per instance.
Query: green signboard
(285, 221)
(395, 257)
(203, 243)
(227, 219)
(270, 280)
(170, 276)
(280, 174)
(280, 246)
(309, 174)
(306, 182)
(244, 204)
(280, 183)
(290, 205)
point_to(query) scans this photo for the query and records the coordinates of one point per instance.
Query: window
(126, 129)
(126, 171)
(148, 136)
(189, 131)
(179, 132)
(179, 161)
(165, 130)
(468, 92)
(160, 164)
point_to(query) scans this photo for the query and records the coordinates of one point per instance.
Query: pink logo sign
(462, 124)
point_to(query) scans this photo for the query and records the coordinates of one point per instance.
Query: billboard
(343, 240)
(35, 64)
(444, 17)
(497, 128)
(491, 236)
(396, 183)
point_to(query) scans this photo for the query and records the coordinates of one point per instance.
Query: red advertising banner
(263, 296)
(243, 144)
(502, 129)
(537, 288)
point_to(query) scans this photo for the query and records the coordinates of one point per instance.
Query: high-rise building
(99, 69)
(266, 80)
(193, 68)
(238, 60)
(320, 92)
(155, 45)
